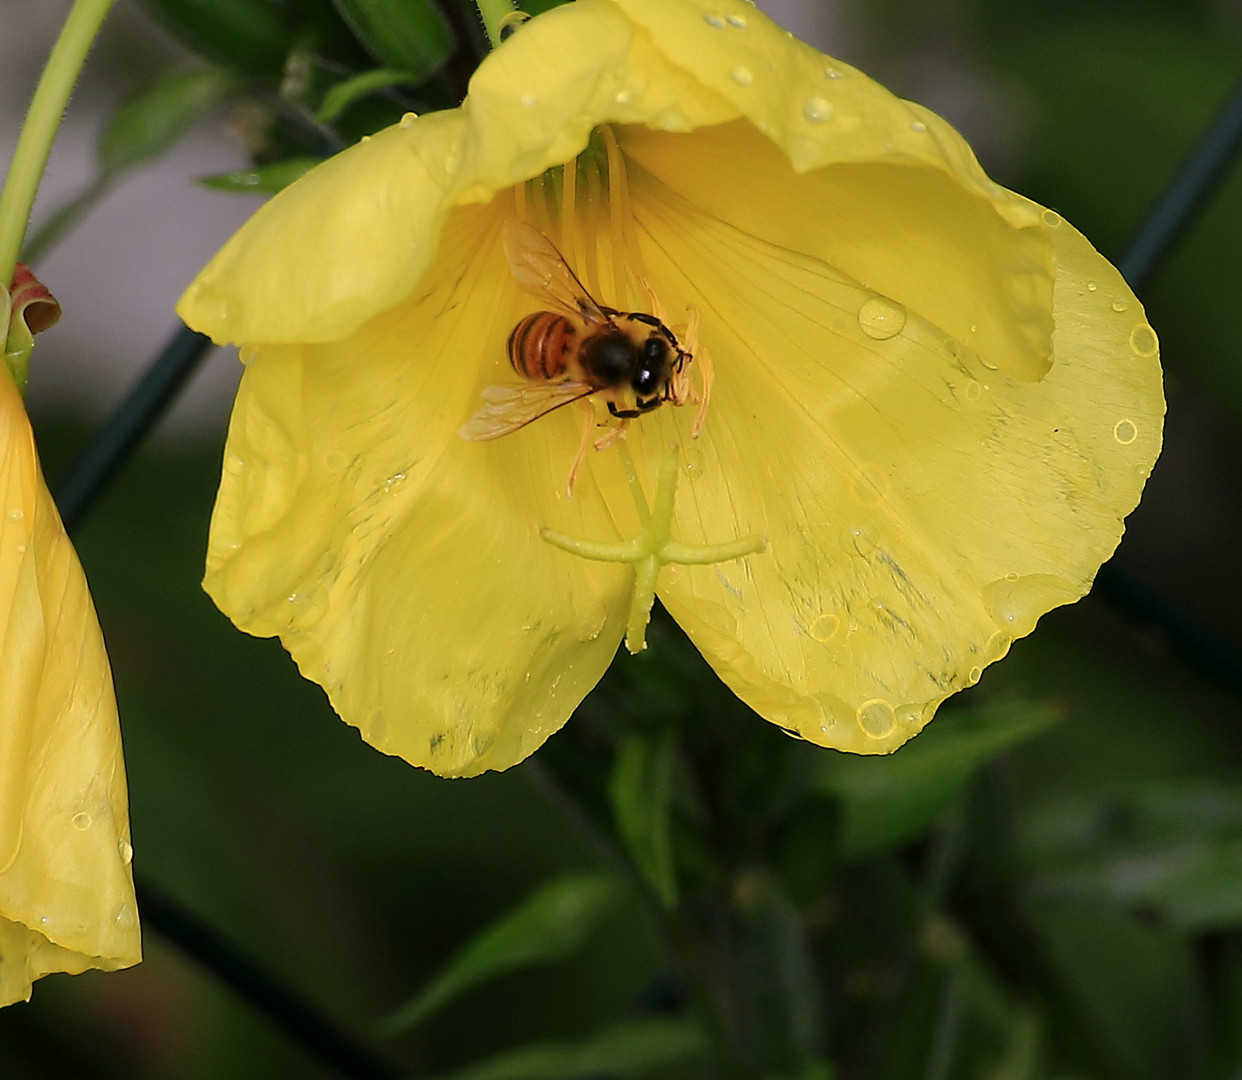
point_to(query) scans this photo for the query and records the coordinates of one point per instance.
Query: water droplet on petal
(623, 97)
(407, 121)
(1143, 340)
(974, 675)
(234, 465)
(123, 916)
(950, 349)
(1051, 218)
(527, 100)
(973, 390)
(918, 126)
(817, 110)
(16, 514)
(126, 850)
(736, 20)
(713, 20)
(825, 628)
(742, 75)
(832, 73)
(1091, 286)
(335, 461)
(81, 820)
(861, 539)
(376, 728)
(1125, 432)
(881, 318)
(876, 718)
(1120, 303)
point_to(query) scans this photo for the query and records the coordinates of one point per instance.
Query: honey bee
(630, 360)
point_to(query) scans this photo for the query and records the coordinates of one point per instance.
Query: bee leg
(706, 369)
(588, 422)
(653, 302)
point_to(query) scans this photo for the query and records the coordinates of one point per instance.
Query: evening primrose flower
(66, 894)
(933, 403)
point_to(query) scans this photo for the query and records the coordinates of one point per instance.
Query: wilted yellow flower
(66, 895)
(933, 398)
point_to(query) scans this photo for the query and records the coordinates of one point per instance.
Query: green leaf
(888, 801)
(550, 924)
(629, 1048)
(405, 35)
(641, 789)
(1174, 848)
(346, 92)
(248, 35)
(147, 124)
(265, 180)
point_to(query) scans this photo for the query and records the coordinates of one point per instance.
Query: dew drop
(623, 97)
(713, 20)
(21, 548)
(918, 126)
(877, 718)
(234, 465)
(742, 75)
(974, 675)
(336, 461)
(407, 121)
(1143, 340)
(950, 349)
(1011, 576)
(862, 540)
(376, 729)
(738, 21)
(881, 318)
(825, 628)
(81, 820)
(1051, 218)
(1120, 303)
(973, 390)
(817, 110)
(126, 850)
(832, 73)
(123, 916)
(1125, 432)
(527, 100)
(16, 514)
(1091, 286)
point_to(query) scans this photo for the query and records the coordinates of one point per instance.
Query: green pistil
(653, 547)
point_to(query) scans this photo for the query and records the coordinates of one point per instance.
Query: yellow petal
(400, 565)
(923, 508)
(353, 236)
(66, 897)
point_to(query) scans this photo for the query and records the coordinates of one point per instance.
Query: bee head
(652, 370)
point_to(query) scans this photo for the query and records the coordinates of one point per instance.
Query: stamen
(654, 546)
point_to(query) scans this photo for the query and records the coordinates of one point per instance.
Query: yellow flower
(934, 399)
(66, 895)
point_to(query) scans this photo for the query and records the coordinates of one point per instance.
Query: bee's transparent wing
(539, 268)
(508, 408)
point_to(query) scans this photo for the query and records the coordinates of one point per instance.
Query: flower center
(654, 546)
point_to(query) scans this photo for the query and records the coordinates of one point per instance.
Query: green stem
(39, 127)
(493, 12)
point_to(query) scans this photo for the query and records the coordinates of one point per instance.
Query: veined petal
(400, 565)
(923, 509)
(66, 897)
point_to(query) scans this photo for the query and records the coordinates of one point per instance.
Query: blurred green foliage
(1045, 885)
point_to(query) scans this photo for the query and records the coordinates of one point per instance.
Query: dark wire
(1163, 228)
(82, 484)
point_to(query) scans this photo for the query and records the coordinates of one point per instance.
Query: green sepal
(404, 35)
(549, 925)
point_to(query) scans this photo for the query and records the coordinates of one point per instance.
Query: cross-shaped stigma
(654, 546)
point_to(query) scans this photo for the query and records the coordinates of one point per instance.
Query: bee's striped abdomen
(539, 344)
